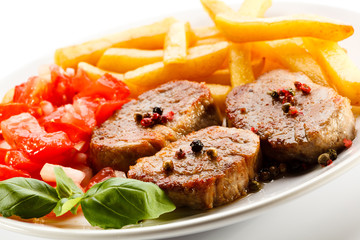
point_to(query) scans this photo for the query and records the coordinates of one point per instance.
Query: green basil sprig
(113, 203)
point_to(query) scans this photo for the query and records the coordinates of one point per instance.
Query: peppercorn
(323, 159)
(212, 153)
(305, 89)
(282, 167)
(274, 94)
(291, 91)
(298, 85)
(158, 110)
(254, 186)
(243, 110)
(286, 107)
(156, 117)
(146, 122)
(138, 117)
(333, 154)
(168, 165)
(274, 171)
(265, 175)
(180, 154)
(293, 111)
(196, 146)
(170, 116)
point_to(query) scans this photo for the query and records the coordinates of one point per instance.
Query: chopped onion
(48, 175)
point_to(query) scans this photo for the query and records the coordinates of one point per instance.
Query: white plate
(185, 221)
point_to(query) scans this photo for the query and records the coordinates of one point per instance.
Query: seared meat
(323, 122)
(120, 140)
(197, 180)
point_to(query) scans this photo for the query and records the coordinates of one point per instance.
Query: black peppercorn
(158, 110)
(138, 117)
(212, 153)
(196, 146)
(168, 165)
(323, 159)
(286, 107)
(254, 186)
(333, 154)
(274, 94)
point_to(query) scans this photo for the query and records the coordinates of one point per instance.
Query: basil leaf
(65, 186)
(117, 202)
(66, 204)
(26, 198)
(68, 191)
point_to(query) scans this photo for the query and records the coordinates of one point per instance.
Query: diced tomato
(101, 176)
(7, 172)
(81, 80)
(32, 91)
(108, 87)
(62, 91)
(10, 109)
(23, 132)
(75, 133)
(19, 160)
(107, 108)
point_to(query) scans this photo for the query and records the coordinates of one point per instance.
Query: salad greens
(113, 203)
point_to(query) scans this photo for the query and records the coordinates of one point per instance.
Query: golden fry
(177, 41)
(219, 93)
(215, 7)
(122, 60)
(144, 37)
(206, 32)
(240, 64)
(221, 76)
(342, 72)
(239, 29)
(200, 62)
(254, 8)
(210, 41)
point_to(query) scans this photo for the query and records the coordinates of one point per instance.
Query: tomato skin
(7, 172)
(101, 176)
(23, 132)
(61, 89)
(10, 109)
(107, 108)
(19, 160)
(74, 133)
(108, 87)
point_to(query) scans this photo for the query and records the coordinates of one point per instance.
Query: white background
(32, 29)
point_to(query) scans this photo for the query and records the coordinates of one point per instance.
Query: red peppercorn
(180, 154)
(347, 143)
(155, 116)
(329, 162)
(170, 116)
(293, 111)
(254, 130)
(298, 85)
(305, 88)
(164, 119)
(146, 122)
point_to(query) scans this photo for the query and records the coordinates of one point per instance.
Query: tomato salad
(49, 120)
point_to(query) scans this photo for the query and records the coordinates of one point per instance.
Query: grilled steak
(323, 121)
(120, 140)
(216, 175)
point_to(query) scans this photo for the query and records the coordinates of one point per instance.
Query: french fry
(144, 37)
(95, 73)
(200, 62)
(219, 93)
(342, 72)
(177, 41)
(9, 96)
(122, 60)
(215, 7)
(291, 55)
(240, 64)
(206, 32)
(355, 110)
(238, 29)
(254, 8)
(221, 76)
(210, 41)
(258, 65)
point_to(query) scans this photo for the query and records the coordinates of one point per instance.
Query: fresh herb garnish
(113, 203)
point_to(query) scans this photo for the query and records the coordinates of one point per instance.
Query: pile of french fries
(239, 47)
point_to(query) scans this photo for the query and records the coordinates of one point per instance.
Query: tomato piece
(101, 176)
(32, 91)
(61, 88)
(108, 87)
(107, 108)
(75, 133)
(7, 172)
(19, 160)
(81, 80)
(10, 109)
(23, 132)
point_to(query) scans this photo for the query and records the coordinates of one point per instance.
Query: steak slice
(197, 180)
(324, 120)
(120, 140)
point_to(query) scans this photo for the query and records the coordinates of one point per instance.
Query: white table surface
(32, 29)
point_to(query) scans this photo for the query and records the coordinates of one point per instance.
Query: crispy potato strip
(214, 7)
(342, 72)
(122, 60)
(144, 37)
(219, 93)
(240, 64)
(240, 29)
(254, 8)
